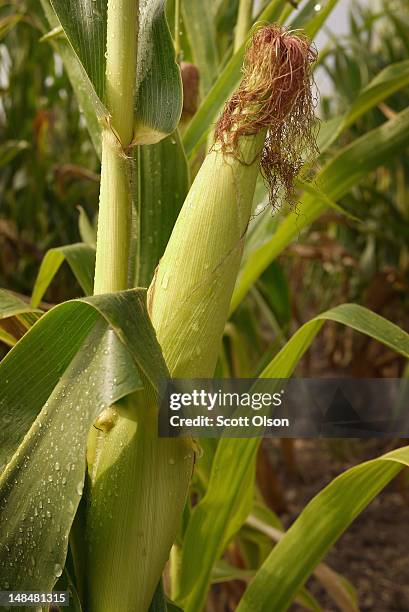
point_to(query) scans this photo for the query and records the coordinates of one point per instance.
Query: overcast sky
(338, 19)
(338, 24)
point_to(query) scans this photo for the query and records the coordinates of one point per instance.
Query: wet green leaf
(80, 358)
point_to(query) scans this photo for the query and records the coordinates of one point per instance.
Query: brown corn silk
(276, 95)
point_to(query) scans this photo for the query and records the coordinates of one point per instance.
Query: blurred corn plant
(47, 163)
(358, 253)
(91, 499)
(373, 238)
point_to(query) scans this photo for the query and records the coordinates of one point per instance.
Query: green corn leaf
(163, 182)
(10, 149)
(16, 317)
(262, 513)
(50, 465)
(338, 176)
(305, 14)
(319, 195)
(359, 318)
(81, 259)
(313, 26)
(12, 306)
(341, 591)
(159, 97)
(273, 11)
(390, 80)
(81, 357)
(263, 527)
(329, 131)
(222, 504)
(89, 84)
(81, 84)
(200, 27)
(8, 22)
(55, 340)
(314, 532)
(224, 572)
(205, 536)
(85, 26)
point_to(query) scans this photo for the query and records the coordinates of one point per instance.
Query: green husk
(190, 295)
(138, 491)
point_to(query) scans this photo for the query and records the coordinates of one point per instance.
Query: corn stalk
(111, 270)
(127, 526)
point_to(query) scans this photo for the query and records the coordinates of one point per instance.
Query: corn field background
(135, 245)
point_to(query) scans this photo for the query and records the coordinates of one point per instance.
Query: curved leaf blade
(79, 358)
(201, 31)
(84, 90)
(357, 317)
(159, 97)
(85, 25)
(313, 26)
(390, 80)
(81, 259)
(339, 589)
(11, 306)
(16, 317)
(50, 465)
(317, 528)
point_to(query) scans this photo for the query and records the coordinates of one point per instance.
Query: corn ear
(267, 122)
(190, 295)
